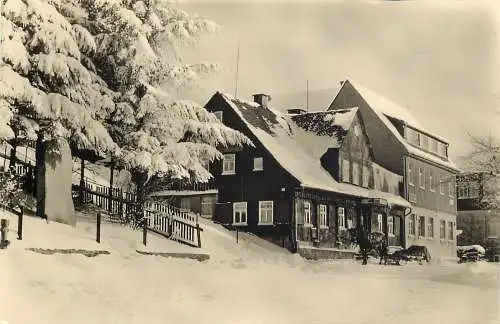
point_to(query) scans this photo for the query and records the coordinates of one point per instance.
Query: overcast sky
(435, 59)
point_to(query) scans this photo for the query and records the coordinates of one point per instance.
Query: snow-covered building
(403, 146)
(309, 178)
(478, 214)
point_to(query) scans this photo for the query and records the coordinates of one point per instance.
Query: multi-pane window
(430, 227)
(411, 225)
(355, 173)
(421, 226)
(323, 220)
(441, 185)
(451, 235)
(366, 176)
(442, 229)
(431, 181)
(434, 146)
(442, 149)
(450, 189)
(240, 213)
(421, 180)
(218, 115)
(390, 225)
(380, 223)
(307, 212)
(425, 142)
(410, 174)
(341, 217)
(345, 170)
(265, 212)
(258, 164)
(228, 164)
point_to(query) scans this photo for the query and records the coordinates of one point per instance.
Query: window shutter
(299, 211)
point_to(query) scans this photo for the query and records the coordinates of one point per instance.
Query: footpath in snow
(249, 282)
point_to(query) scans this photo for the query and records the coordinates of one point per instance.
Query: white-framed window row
(390, 226)
(258, 164)
(323, 216)
(266, 212)
(341, 218)
(218, 115)
(229, 164)
(240, 215)
(380, 223)
(307, 214)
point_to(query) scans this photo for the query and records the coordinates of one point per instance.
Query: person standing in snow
(363, 244)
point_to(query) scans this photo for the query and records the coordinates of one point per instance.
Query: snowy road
(235, 286)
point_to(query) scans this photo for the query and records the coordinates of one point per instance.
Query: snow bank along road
(250, 282)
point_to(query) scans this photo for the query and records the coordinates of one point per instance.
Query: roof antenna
(307, 96)
(237, 69)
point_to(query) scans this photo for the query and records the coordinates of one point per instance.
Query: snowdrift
(478, 274)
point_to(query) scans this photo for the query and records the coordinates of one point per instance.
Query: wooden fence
(169, 221)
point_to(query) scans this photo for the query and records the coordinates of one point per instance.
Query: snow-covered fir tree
(485, 157)
(100, 73)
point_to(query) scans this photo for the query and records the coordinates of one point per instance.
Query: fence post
(82, 181)
(121, 203)
(98, 232)
(110, 203)
(20, 224)
(144, 230)
(198, 234)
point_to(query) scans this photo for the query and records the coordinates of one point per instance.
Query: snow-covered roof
(385, 108)
(299, 150)
(391, 109)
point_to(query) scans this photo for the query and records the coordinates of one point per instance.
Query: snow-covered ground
(249, 282)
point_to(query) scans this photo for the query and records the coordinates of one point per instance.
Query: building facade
(403, 146)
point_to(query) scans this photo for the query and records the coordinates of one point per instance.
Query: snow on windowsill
(258, 170)
(228, 173)
(265, 224)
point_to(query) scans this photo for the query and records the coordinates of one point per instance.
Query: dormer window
(218, 115)
(258, 164)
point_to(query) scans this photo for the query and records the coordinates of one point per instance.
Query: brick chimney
(262, 99)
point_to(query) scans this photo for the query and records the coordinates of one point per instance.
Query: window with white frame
(430, 227)
(451, 235)
(265, 212)
(240, 213)
(421, 226)
(366, 176)
(229, 164)
(355, 173)
(341, 217)
(431, 181)
(410, 175)
(390, 225)
(323, 217)
(425, 142)
(411, 225)
(441, 185)
(434, 146)
(345, 170)
(380, 223)
(442, 229)
(451, 189)
(421, 179)
(307, 213)
(258, 164)
(218, 115)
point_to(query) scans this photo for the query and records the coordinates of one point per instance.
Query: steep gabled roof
(385, 108)
(298, 147)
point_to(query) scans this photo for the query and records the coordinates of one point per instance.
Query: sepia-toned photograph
(249, 161)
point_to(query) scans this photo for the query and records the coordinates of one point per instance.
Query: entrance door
(207, 206)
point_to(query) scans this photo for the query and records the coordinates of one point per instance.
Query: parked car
(470, 253)
(492, 249)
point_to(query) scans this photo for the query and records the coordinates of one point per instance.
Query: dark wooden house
(309, 178)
